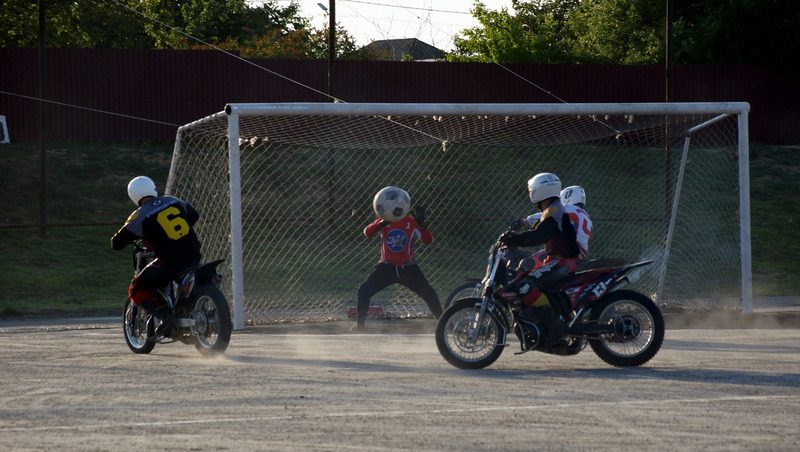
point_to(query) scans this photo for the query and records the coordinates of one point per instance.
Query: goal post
(285, 189)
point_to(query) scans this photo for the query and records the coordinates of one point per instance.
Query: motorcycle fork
(477, 322)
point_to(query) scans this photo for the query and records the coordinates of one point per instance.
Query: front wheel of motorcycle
(468, 289)
(637, 328)
(212, 320)
(463, 343)
(136, 322)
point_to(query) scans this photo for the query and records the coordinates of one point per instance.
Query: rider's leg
(528, 289)
(145, 288)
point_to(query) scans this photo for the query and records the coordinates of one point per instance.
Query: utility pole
(667, 98)
(42, 152)
(331, 44)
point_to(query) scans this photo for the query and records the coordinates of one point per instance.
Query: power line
(407, 7)
(95, 110)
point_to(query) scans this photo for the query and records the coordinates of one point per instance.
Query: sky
(432, 21)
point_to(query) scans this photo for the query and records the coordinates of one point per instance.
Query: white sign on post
(4, 138)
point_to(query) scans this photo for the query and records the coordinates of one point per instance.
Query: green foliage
(633, 31)
(265, 30)
(618, 31)
(538, 33)
(72, 24)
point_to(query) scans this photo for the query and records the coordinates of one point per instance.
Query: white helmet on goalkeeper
(573, 195)
(544, 186)
(141, 187)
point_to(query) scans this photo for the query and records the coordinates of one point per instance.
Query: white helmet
(141, 187)
(543, 186)
(573, 195)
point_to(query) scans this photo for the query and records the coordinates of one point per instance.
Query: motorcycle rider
(397, 264)
(556, 232)
(573, 198)
(166, 224)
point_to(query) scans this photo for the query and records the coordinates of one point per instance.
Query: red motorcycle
(202, 317)
(623, 327)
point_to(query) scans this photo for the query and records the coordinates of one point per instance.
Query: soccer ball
(391, 203)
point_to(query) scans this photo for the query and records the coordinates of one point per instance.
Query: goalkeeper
(397, 264)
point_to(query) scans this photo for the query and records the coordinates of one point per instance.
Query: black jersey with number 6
(167, 226)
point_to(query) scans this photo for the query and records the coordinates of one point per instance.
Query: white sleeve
(531, 220)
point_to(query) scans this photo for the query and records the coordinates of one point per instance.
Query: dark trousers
(409, 276)
(156, 275)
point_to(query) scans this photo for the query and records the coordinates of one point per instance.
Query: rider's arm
(537, 236)
(122, 238)
(191, 214)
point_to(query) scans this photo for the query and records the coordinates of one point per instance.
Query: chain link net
(307, 184)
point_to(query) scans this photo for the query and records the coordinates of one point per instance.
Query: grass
(73, 271)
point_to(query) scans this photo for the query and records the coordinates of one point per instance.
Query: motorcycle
(623, 327)
(200, 311)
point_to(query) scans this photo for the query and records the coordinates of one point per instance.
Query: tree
(618, 31)
(264, 31)
(72, 24)
(737, 31)
(632, 32)
(537, 33)
(346, 47)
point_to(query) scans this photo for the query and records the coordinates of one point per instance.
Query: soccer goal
(285, 190)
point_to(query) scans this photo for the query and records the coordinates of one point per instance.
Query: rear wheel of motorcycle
(453, 331)
(212, 320)
(135, 324)
(638, 328)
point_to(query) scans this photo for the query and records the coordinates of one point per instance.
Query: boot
(167, 322)
(557, 329)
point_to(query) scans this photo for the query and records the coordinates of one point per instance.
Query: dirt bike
(200, 311)
(623, 327)
(472, 287)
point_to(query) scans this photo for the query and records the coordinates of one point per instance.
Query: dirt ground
(74, 385)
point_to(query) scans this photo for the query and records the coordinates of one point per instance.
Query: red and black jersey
(166, 224)
(554, 230)
(397, 239)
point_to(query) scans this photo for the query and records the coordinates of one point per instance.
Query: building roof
(404, 49)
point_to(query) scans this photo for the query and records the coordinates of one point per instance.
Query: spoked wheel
(638, 329)
(212, 321)
(468, 289)
(136, 324)
(463, 343)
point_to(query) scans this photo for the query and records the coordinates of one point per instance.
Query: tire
(135, 325)
(454, 344)
(212, 320)
(638, 328)
(468, 289)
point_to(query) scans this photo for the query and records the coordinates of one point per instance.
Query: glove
(421, 216)
(505, 238)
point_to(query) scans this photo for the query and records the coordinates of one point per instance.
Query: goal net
(285, 190)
